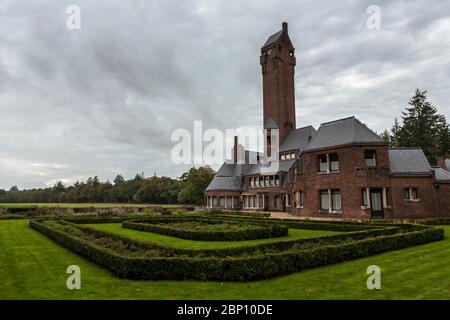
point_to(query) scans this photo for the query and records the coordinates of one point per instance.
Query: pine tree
(422, 127)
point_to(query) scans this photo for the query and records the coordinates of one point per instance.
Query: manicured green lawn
(83, 205)
(184, 243)
(33, 267)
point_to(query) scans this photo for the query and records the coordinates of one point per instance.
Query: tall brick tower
(278, 62)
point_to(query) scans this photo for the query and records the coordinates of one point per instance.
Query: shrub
(242, 268)
(254, 266)
(223, 231)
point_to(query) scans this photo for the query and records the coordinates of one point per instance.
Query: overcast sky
(104, 99)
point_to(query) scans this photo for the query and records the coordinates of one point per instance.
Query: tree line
(188, 189)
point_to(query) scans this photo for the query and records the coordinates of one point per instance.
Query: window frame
(374, 158)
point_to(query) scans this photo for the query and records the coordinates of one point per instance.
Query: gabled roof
(273, 38)
(343, 132)
(441, 175)
(224, 183)
(298, 139)
(408, 161)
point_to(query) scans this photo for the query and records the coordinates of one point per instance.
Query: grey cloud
(104, 100)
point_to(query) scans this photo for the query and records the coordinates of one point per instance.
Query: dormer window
(370, 158)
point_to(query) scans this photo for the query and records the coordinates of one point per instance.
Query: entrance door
(376, 203)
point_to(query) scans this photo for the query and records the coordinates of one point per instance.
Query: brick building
(341, 170)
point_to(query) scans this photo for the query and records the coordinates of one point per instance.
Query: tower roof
(273, 38)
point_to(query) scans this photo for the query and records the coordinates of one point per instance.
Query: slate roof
(224, 183)
(273, 38)
(343, 132)
(408, 161)
(298, 139)
(441, 175)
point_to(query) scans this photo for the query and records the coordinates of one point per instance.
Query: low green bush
(255, 214)
(195, 228)
(435, 221)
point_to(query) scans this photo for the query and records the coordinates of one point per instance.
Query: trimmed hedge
(245, 268)
(435, 221)
(251, 232)
(232, 251)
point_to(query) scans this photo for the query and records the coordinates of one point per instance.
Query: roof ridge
(337, 120)
(405, 148)
(308, 126)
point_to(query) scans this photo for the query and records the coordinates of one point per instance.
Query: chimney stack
(284, 26)
(235, 149)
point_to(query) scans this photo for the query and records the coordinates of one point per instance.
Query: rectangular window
(272, 181)
(336, 201)
(299, 199)
(261, 181)
(323, 163)
(324, 200)
(299, 167)
(293, 155)
(277, 201)
(334, 162)
(266, 181)
(283, 157)
(214, 202)
(222, 202)
(407, 194)
(411, 194)
(235, 202)
(252, 182)
(277, 180)
(364, 197)
(370, 158)
(229, 202)
(288, 200)
(414, 194)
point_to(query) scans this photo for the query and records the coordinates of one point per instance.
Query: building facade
(341, 170)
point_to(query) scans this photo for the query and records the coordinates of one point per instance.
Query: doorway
(376, 203)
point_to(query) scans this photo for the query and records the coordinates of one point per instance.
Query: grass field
(33, 267)
(83, 205)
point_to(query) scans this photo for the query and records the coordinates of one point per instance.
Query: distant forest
(188, 189)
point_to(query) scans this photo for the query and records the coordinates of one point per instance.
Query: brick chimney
(235, 149)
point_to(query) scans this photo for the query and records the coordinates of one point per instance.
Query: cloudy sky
(104, 99)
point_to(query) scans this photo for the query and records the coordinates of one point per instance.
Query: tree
(194, 183)
(119, 179)
(422, 127)
(386, 136)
